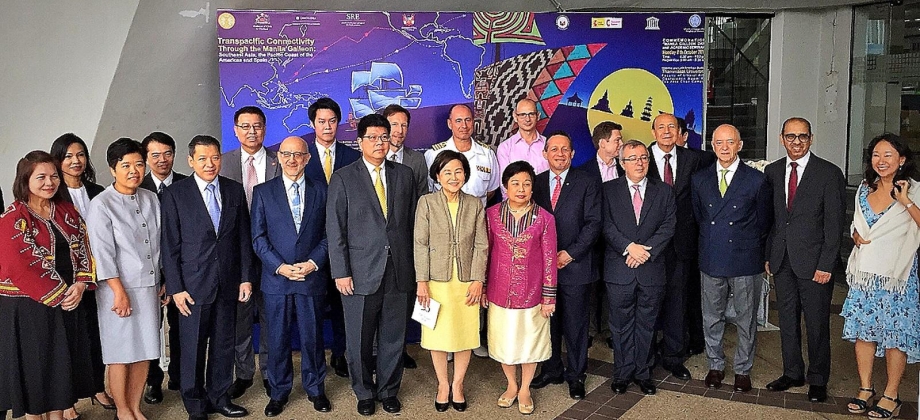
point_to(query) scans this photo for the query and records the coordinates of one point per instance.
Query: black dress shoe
(577, 390)
(646, 385)
(153, 394)
(694, 350)
(742, 383)
(679, 372)
(610, 343)
(230, 410)
(543, 380)
(321, 403)
(714, 379)
(408, 361)
(391, 405)
(239, 388)
(817, 393)
(275, 407)
(172, 385)
(197, 417)
(459, 406)
(619, 387)
(366, 407)
(441, 407)
(268, 388)
(784, 382)
(340, 366)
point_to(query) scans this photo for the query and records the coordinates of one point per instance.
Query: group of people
(664, 243)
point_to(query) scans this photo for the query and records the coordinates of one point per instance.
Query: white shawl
(885, 262)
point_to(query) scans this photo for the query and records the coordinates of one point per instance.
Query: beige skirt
(518, 335)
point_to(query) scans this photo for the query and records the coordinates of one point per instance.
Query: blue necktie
(295, 206)
(213, 206)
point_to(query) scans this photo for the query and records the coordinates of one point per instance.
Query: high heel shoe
(884, 413)
(862, 405)
(459, 406)
(95, 401)
(442, 407)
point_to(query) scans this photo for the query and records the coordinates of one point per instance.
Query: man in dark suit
(573, 197)
(804, 247)
(732, 202)
(370, 216)
(207, 259)
(639, 219)
(328, 156)
(160, 150)
(399, 119)
(289, 236)
(674, 166)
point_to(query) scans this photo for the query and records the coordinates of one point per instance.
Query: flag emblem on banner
(606, 23)
(408, 19)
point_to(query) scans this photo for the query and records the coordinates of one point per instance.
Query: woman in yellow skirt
(451, 249)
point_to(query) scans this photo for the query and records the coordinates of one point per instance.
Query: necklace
(521, 210)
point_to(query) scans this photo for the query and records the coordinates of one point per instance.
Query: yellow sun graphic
(631, 98)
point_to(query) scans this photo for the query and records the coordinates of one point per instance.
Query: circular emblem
(226, 20)
(696, 21)
(562, 22)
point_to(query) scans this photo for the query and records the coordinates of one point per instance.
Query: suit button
(143, 225)
(710, 205)
(148, 257)
(713, 222)
(151, 273)
(734, 207)
(729, 241)
(137, 211)
(146, 241)
(731, 223)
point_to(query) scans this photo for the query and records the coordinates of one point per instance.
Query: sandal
(883, 413)
(862, 405)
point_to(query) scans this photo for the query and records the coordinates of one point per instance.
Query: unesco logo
(696, 21)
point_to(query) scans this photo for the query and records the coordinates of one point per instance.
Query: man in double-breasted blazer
(206, 251)
(573, 197)
(804, 247)
(732, 203)
(370, 217)
(639, 219)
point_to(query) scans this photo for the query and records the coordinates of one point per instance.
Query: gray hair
(631, 144)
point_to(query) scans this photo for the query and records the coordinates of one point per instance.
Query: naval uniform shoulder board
(439, 146)
(485, 169)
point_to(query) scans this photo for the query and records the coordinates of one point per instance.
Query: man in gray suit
(399, 119)
(370, 213)
(251, 164)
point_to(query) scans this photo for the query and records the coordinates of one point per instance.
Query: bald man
(288, 232)
(527, 144)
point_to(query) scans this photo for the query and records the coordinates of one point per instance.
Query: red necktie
(668, 172)
(556, 192)
(793, 183)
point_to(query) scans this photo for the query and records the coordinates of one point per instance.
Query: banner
(580, 68)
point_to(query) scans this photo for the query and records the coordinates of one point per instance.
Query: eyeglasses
(246, 126)
(382, 138)
(643, 158)
(157, 155)
(296, 155)
(797, 138)
(527, 114)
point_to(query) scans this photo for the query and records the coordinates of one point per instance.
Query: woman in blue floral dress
(882, 310)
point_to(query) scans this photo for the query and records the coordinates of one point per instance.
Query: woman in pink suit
(521, 290)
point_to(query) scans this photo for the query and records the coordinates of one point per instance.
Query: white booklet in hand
(427, 317)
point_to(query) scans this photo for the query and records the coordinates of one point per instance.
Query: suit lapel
(271, 164)
(224, 207)
(684, 162)
(739, 179)
(801, 191)
(391, 186)
(646, 202)
(306, 204)
(280, 201)
(199, 205)
(568, 184)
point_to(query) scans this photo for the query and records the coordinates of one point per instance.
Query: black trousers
(570, 323)
(154, 372)
(633, 311)
(694, 306)
(672, 318)
(207, 339)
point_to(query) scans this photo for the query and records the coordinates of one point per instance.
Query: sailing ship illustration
(382, 85)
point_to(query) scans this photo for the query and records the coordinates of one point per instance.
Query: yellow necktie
(327, 165)
(381, 194)
(723, 184)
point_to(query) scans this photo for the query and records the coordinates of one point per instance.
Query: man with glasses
(804, 248)
(731, 201)
(160, 150)
(251, 165)
(370, 214)
(527, 144)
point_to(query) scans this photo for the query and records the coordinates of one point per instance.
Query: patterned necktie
(161, 189)
(393, 158)
(251, 179)
(668, 172)
(556, 190)
(327, 165)
(381, 194)
(295, 206)
(793, 184)
(637, 202)
(723, 182)
(213, 206)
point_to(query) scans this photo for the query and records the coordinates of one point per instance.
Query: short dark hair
(121, 148)
(248, 110)
(24, 170)
(159, 137)
(515, 168)
(59, 150)
(631, 144)
(799, 120)
(372, 120)
(445, 157)
(396, 109)
(324, 103)
(201, 140)
(682, 125)
(602, 131)
(906, 171)
(557, 133)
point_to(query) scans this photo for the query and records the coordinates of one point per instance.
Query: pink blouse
(522, 269)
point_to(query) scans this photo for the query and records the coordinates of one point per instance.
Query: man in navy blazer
(289, 236)
(639, 219)
(732, 203)
(573, 197)
(327, 155)
(207, 258)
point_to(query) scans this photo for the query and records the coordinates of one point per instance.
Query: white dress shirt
(658, 154)
(80, 199)
(289, 192)
(258, 162)
(156, 181)
(383, 174)
(399, 155)
(321, 153)
(803, 161)
(728, 175)
(552, 180)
